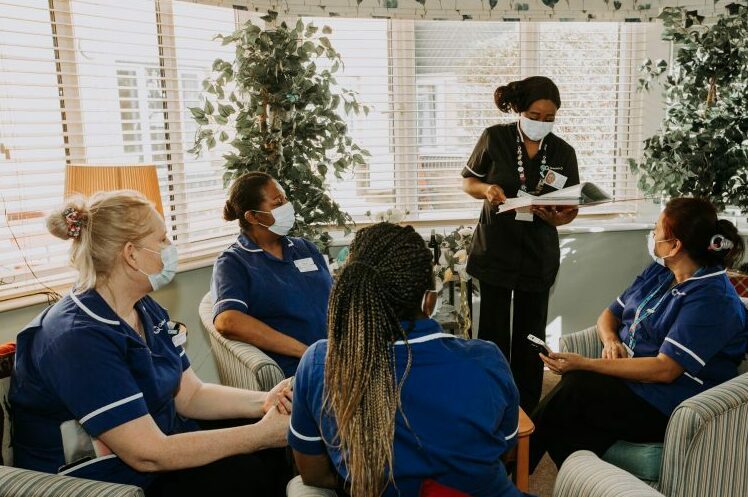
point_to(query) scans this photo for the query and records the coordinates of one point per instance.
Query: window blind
(101, 82)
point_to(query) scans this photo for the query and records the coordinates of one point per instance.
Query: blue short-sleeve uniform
(290, 295)
(700, 323)
(78, 361)
(461, 403)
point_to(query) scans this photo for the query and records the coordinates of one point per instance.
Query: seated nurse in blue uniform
(678, 330)
(269, 289)
(389, 400)
(102, 388)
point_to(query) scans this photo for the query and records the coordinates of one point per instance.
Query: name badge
(179, 339)
(523, 216)
(555, 179)
(306, 265)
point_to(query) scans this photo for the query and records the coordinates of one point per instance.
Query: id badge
(306, 265)
(523, 216)
(555, 179)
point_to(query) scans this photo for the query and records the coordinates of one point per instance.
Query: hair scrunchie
(74, 222)
(718, 243)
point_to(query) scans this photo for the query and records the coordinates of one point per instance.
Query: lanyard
(638, 317)
(520, 165)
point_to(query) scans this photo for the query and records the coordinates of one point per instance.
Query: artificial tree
(280, 112)
(701, 148)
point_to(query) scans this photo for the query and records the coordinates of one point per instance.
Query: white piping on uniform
(182, 353)
(513, 434)
(290, 242)
(110, 406)
(620, 302)
(90, 312)
(687, 350)
(426, 338)
(706, 275)
(83, 465)
(303, 437)
(231, 300)
(697, 380)
(477, 174)
(248, 250)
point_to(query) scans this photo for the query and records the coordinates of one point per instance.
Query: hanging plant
(281, 114)
(701, 148)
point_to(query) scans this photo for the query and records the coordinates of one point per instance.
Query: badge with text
(306, 265)
(555, 179)
(523, 214)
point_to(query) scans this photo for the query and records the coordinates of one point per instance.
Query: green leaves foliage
(279, 106)
(701, 148)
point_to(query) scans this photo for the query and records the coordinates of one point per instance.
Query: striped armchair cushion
(583, 474)
(239, 364)
(16, 482)
(585, 342)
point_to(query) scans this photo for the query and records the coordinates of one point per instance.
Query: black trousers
(529, 318)
(260, 474)
(590, 411)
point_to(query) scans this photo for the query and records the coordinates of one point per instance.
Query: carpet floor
(544, 477)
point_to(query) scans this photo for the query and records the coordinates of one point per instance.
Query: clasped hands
(280, 397)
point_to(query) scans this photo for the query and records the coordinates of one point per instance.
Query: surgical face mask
(437, 304)
(535, 130)
(651, 244)
(284, 216)
(170, 259)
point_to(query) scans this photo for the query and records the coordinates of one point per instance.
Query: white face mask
(170, 259)
(651, 243)
(535, 130)
(284, 216)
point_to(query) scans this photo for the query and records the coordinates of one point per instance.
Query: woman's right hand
(275, 428)
(494, 194)
(614, 350)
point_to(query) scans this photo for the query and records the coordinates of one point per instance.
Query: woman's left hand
(556, 216)
(281, 396)
(563, 362)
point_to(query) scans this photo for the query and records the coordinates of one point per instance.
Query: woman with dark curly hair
(515, 255)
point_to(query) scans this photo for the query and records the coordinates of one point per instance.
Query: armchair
(240, 364)
(705, 449)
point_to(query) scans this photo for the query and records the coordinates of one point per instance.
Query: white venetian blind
(431, 86)
(103, 82)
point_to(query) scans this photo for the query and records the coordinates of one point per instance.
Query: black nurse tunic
(518, 255)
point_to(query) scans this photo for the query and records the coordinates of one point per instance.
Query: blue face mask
(170, 260)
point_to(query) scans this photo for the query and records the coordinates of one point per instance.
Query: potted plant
(701, 148)
(278, 105)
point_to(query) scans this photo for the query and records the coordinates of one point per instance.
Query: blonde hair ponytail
(99, 227)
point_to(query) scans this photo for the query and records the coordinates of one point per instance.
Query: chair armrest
(705, 444)
(240, 364)
(585, 342)
(16, 482)
(296, 488)
(583, 474)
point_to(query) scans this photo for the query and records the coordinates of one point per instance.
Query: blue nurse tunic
(700, 323)
(289, 295)
(462, 410)
(78, 361)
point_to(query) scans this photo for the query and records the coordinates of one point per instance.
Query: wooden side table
(521, 453)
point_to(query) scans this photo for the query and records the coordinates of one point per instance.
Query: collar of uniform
(424, 330)
(246, 243)
(709, 272)
(95, 306)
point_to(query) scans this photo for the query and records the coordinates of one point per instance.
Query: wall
(595, 268)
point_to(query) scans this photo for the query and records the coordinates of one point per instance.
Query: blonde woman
(102, 387)
(389, 403)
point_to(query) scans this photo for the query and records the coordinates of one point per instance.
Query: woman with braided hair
(389, 400)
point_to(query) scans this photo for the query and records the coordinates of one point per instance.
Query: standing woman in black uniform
(516, 254)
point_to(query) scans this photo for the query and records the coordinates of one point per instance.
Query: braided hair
(383, 282)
